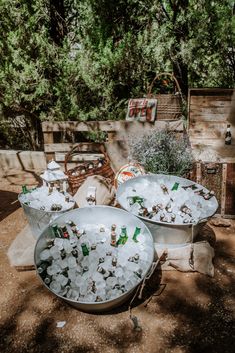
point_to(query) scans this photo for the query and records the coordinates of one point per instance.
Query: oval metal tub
(39, 219)
(97, 215)
(162, 232)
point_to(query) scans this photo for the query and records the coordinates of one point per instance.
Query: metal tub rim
(98, 306)
(148, 176)
(50, 212)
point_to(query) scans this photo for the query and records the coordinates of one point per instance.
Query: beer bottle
(42, 267)
(56, 231)
(228, 136)
(47, 279)
(65, 231)
(114, 261)
(136, 233)
(175, 187)
(101, 270)
(191, 186)
(209, 195)
(71, 224)
(93, 246)
(74, 252)
(168, 207)
(123, 236)
(85, 250)
(136, 199)
(164, 189)
(146, 212)
(113, 227)
(153, 212)
(113, 238)
(73, 227)
(24, 189)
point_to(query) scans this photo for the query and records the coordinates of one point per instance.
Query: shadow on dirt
(8, 203)
(200, 326)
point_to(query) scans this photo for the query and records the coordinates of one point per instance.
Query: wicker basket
(169, 106)
(78, 174)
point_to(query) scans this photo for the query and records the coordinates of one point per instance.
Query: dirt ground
(179, 313)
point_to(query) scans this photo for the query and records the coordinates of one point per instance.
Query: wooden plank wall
(209, 111)
(117, 131)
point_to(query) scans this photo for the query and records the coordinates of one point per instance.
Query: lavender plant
(162, 152)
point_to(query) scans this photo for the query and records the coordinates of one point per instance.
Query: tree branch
(164, 10)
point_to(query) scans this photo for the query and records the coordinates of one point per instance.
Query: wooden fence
(208, 111)
(117, 132)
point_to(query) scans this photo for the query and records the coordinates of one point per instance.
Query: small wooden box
(219, 177)
(209, 110)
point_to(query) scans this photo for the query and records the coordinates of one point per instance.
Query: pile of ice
(103, 272)
(168, 201)
(47, 199)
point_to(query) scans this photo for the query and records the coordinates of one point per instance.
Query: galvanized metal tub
(164, 233)
(102, 215)
(39, 219)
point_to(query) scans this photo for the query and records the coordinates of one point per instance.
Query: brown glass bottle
(228, 136)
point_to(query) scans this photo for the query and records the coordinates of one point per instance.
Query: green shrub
(163, 152)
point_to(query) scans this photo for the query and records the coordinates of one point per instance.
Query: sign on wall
(142, 109)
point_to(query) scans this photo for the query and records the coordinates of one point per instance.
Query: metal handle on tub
(151, 271)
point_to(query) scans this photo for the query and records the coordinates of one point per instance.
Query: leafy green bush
(162, 152)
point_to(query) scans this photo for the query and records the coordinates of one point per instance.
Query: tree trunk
(181, 31)
(58, 24)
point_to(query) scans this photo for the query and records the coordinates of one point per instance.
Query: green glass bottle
(56, 231)
(24, 189)
(136, 233)
(136, 199)
(85, 250)
(175, 187)
(123, 236)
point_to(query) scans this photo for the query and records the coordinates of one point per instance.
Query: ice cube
(45, 255)
(91, 297)
(55, 252)
(73, 241)
(111, 281)
(72, 263)
(132, 266)
(119, 272)
(78, 280)
(55, 286)
(135, 208)
(97, 277)
(62, 280)
(59, 242)
(67, 246)
(63, 263)
(83, 287)
(72, 274)
(53, 269)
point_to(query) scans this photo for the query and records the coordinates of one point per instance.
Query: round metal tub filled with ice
(42, 205)
(173, 208)
(94, 257)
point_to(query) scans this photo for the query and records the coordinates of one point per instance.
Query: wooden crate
(219, 177)
(209, 111)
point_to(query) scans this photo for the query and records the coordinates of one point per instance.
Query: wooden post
(48, 139)
(223, 189)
